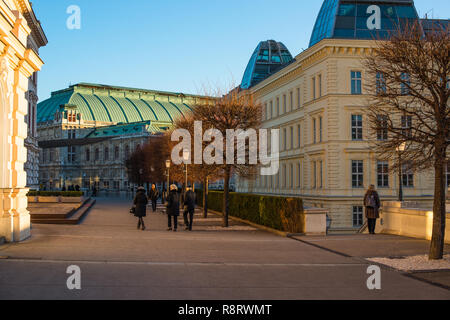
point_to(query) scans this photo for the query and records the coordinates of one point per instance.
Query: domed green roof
(117, 104)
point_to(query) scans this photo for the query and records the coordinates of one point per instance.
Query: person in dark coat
(173, 208)
(140, 203)
(153, 196)
(189, 208)
(372, 204)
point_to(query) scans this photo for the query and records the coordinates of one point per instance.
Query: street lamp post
(168, 162)
(186, 156)
(400, 149)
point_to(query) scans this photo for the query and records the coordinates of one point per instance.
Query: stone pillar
(17, 64)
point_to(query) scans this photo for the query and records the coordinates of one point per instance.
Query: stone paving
(119, 262)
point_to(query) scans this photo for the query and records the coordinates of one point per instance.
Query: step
(74, 218)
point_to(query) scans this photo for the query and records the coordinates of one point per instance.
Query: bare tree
(409, 110)
(235, 111)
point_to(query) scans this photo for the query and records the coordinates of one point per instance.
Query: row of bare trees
(409, 112)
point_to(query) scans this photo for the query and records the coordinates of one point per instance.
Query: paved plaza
(119, 262)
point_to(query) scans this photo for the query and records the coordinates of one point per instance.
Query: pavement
(210, 263)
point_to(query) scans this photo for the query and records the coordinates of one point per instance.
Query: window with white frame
(356, 82)
(358, 216)
(357, 173)
(407, 175)
(383, 174)
(357, 127)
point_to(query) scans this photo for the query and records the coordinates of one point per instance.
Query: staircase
(72, 217)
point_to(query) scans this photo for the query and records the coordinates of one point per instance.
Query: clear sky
(171, 45)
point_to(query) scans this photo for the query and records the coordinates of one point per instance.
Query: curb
(258, 226)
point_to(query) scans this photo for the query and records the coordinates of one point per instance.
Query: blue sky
(171, 45)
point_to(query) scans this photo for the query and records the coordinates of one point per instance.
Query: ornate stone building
(21, 36)
(86, 132)
(318, 102)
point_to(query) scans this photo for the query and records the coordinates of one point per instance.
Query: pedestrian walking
(153, 196)
(189, 208)
(173, 208)
(372, 204)
(140, 207)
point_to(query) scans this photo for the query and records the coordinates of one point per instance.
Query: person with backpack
(372, 204)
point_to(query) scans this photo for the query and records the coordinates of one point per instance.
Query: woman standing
(173, 208)
(140, 203)
(372, 204)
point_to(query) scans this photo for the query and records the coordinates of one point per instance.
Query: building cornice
(324, 49)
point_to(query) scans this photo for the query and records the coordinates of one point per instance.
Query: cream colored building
(318, 101)
(20, 37)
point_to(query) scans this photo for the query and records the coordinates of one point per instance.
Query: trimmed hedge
(69, 194)
(280, 213)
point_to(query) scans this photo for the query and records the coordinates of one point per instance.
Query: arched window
(97, 154)
(116, 152)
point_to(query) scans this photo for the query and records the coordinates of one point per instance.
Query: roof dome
(269, 57)
(361, 19)
(115, 104)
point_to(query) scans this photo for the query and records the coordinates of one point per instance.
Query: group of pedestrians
(174, 200)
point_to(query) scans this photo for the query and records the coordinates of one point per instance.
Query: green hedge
(280, 213)
(70, 194)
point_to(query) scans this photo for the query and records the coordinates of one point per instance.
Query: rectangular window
(358, 216)
(291, 142)
(320, 129)
(284, 176)
(314, 87)
(314, 131)
(299, 175)
(320, 85)
(382, 132)
(291, 176)
(356, 82)
(298, 98)
(314, 175)
(357, 127)
(284, 139)
(357, 174)
(380, 84)
(383, 174)
(278, 107)
(284, 103)
(404, 87)
(406, 125)
(267, 111)
(299, 136)
(271, 109)
(291, 101)
(407, 175)
(321, 174)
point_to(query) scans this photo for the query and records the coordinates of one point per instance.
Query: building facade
(87, 132)
(319, 102)
(21, 35)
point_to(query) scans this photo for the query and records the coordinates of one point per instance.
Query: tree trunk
(205, 197)
(439, 210)
(226, 195)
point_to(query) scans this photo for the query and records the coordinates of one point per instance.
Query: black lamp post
(400, 149)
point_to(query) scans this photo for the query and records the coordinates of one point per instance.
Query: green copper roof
(124, 129)
(117, 104)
